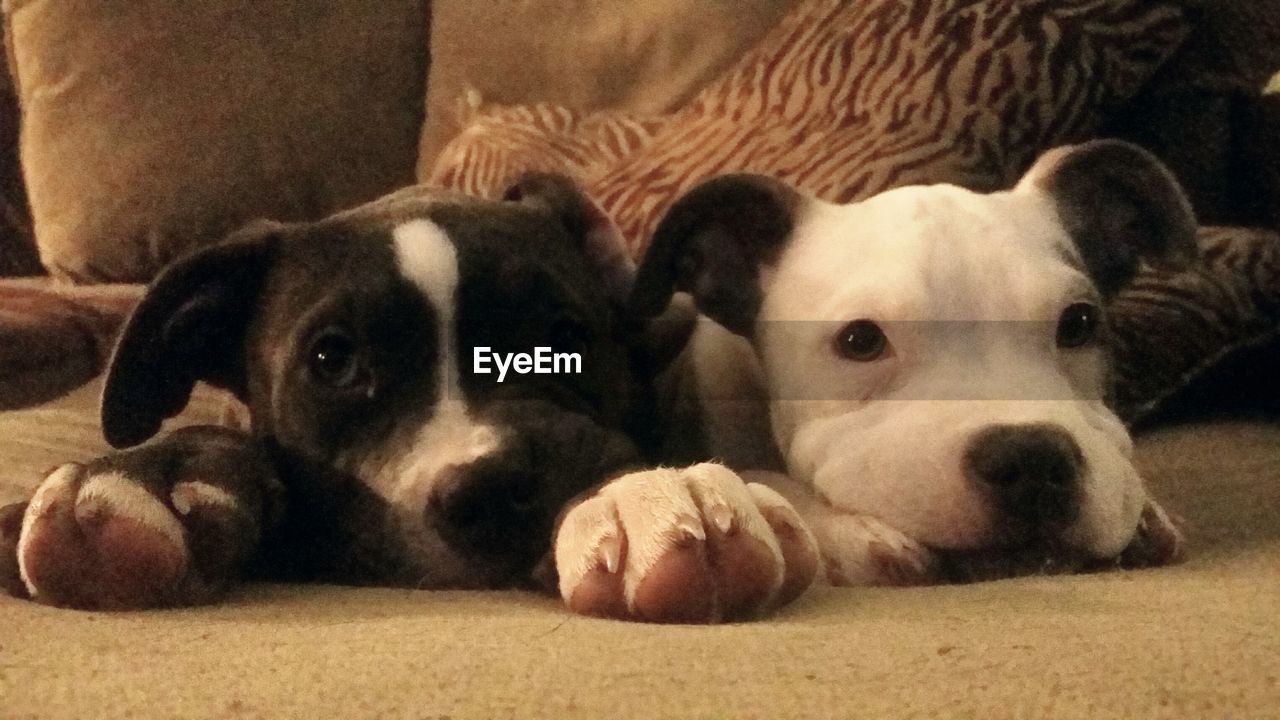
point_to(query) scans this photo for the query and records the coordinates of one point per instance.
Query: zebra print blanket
(846, 99)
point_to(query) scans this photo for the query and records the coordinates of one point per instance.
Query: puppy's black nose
(485, 508)
(1033, 470)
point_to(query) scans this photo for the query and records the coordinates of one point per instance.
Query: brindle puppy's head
(353, 340)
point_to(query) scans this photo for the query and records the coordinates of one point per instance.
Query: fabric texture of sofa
(1197, 640)
(147, 132)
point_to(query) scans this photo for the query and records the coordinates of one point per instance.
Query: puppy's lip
(1157, 541)
(998, 562)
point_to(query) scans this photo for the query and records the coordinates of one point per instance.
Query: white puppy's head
(936, 357)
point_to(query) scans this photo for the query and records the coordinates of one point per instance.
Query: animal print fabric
(845, 99)
(1170, 328)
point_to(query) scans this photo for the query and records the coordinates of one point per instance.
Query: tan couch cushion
(1196, 640)
(153, 126)
(642, 56)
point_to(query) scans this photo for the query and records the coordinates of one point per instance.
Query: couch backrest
(151, 126)
(17, 245)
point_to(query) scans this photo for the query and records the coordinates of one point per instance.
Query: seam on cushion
(11, 58)
(424, 101)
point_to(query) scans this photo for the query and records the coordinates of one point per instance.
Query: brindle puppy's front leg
(165, 524)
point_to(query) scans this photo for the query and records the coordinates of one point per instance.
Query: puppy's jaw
(899, 468)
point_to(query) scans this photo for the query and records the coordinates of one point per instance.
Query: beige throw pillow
(638, 56)
(154, 126)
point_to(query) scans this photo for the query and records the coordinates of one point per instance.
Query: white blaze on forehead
(412, 461)
(427, 258)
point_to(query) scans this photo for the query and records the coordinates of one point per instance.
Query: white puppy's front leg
(691, 545)
(857, 550)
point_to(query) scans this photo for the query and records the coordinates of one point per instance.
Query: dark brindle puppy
(378, 453)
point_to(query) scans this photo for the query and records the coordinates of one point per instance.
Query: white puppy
(933, 361)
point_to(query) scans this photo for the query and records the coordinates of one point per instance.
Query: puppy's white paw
(692, 545)
(106, 540)
(861, 550)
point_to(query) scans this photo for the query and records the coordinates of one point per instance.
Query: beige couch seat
(1199, 640)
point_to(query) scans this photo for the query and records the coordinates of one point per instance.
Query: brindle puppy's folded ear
(713, 243)
(656, 341)
(1120, 205)
(190, 326)
(602, 242)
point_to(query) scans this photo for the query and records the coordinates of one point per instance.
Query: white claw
(690, 528)
(721, 516)
(610, 550)
(57, 482)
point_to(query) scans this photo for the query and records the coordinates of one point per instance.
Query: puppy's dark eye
(1078, 325)
(334, 359)
(861, 340)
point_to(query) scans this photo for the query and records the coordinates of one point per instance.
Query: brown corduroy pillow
(846, 99)
(153, 126)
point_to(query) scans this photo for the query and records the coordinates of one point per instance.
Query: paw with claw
(166, 524)
(689, 545)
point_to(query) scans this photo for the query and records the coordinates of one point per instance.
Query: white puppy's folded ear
(602, 241)
(713, 243)
(1119, 204)
(189, 326)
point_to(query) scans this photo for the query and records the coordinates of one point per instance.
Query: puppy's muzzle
(1032, 474)
(488, 507)
(502, 507)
